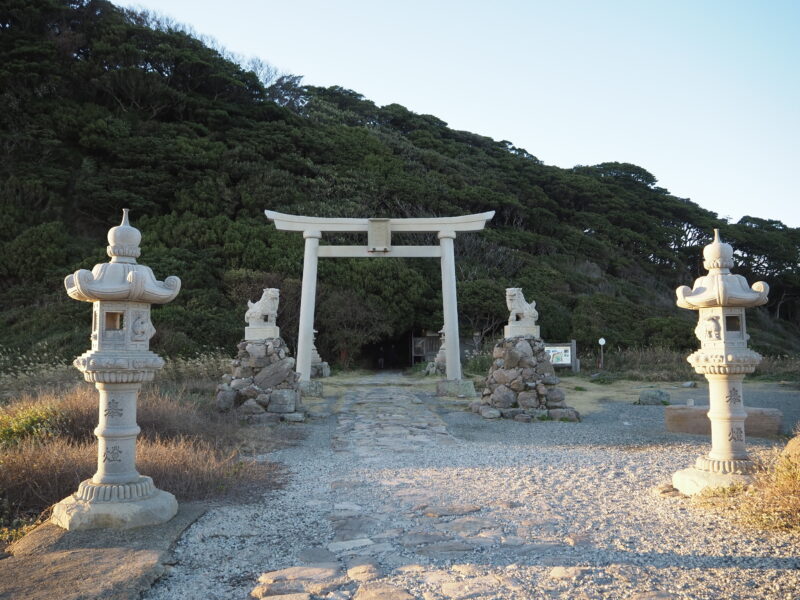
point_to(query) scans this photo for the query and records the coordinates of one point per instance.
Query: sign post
(602, 342)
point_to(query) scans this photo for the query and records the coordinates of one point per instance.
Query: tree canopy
(105, 108)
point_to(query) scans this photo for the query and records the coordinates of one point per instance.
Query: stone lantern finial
(123, 241)
(720, 298)
(718, 256)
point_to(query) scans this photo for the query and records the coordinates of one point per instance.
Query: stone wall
(522, 385)
(262, 385)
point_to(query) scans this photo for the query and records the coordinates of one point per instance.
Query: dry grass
(198, 369)
(662, 364)
(771, 502)
(651, 364)
(170, 410)
(779, 367)
(43, 368)
(47, 445)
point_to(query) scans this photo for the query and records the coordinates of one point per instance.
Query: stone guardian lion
(521, 311)
(267, 307)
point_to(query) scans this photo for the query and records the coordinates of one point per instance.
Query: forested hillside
(104, 109)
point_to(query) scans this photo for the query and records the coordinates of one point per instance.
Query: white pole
(450, 306)
(305, 334)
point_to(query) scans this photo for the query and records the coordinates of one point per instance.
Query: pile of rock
(522, 385)
(262, 386)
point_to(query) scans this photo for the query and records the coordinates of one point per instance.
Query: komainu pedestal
(121, 292)
(522, 384)
(262, 385)
(724, 358)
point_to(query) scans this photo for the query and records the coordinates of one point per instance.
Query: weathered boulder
(239, 383)
(528, 399)
(256, 350)
(653, 397)
(564, 414)
(503, 397)
(555, 398)
(274, 374)
(226, 398)
(251, 391)
(510, 413)
(283, 401)
(511, 359)
(523, 348)
(487, 412)
(250, 407)
(262, 400)
(504, 376)
(294, 417)
(545, 368)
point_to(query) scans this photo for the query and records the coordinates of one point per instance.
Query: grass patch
(639, 364)
(26, 421)
(603, 378)
(47, 444)
(663, 364)
(479, 364)
(778, 368)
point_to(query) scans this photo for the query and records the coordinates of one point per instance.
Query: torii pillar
(379, 244)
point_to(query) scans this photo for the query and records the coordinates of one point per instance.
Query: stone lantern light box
(119, 361)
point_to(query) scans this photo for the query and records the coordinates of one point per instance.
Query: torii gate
(379, 243)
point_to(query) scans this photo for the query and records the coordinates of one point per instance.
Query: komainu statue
(522, 320)
(266, 307)
(520, 310)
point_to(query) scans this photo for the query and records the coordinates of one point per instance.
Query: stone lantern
(721, 299)
(121, 292)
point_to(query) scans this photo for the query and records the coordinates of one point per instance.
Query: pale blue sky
(703, 94)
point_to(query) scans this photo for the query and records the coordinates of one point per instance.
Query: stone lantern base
(692, 481)
(708, 473)
(115, 506)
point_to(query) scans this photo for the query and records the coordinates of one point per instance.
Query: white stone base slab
(693, 481)
(760, 422)
(461, 388)
(516, 330)
(74, 514)
(261, 332)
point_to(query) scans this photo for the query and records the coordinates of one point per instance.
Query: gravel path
(394, 496)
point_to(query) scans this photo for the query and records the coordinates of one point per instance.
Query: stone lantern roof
(122, 279)
(721, 287)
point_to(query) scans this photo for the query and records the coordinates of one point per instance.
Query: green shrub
(31, 421)
(478, 364)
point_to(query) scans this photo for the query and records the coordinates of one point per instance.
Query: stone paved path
(395, 496)
(386, 419)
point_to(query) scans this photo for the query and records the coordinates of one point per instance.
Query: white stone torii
(379, 243)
